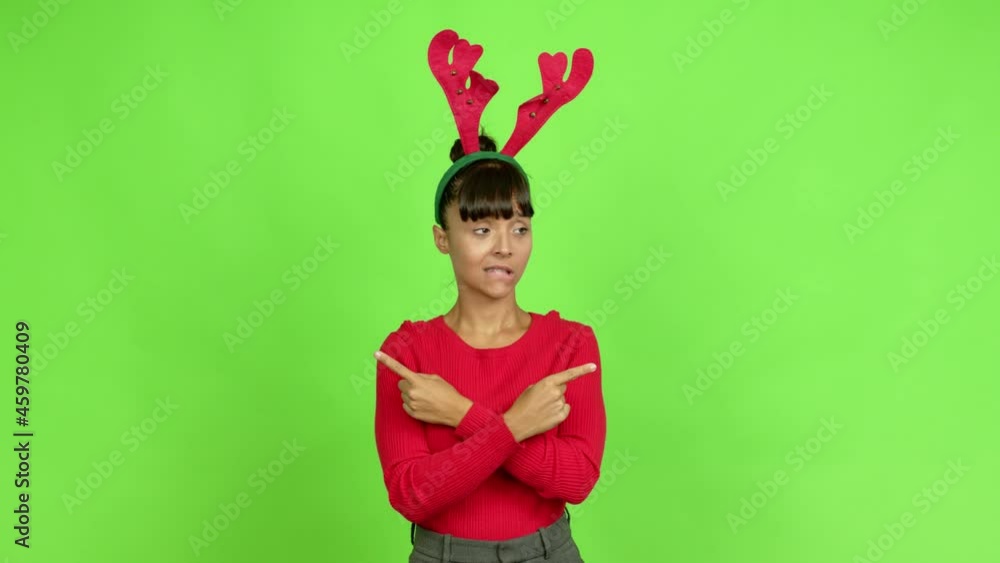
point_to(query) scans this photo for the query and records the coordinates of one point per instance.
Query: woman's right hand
(541, 406)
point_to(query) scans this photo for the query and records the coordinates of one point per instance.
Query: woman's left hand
(427, 397)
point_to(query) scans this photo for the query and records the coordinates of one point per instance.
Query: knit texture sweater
(475, 481)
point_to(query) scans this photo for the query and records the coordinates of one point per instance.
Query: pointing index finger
(395, 366)
(573, 373)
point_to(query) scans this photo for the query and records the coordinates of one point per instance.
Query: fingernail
(593, 367)
(378, 354)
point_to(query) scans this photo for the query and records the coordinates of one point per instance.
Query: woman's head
(486, 221)
(485, 188)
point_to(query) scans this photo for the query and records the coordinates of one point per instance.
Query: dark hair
(486, 188)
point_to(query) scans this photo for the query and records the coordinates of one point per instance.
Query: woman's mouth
(500, 272)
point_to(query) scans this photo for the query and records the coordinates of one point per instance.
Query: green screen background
(129, 294)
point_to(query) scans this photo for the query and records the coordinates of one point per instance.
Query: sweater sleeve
(421, 483)
(563, 464)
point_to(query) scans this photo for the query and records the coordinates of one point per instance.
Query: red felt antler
(467, 104)
(532, 114)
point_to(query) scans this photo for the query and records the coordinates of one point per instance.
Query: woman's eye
(523, 229)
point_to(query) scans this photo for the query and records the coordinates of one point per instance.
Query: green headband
(460, 164)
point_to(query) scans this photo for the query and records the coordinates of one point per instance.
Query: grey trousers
(551, 544)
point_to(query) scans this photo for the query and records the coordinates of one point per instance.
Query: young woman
(489, 419)
(478, 446)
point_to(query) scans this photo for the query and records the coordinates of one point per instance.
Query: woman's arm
(420, 483)
(566, 463)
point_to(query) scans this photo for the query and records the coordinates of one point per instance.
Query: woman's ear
(440, 239)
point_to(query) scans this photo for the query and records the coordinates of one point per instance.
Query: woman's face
(477, 246)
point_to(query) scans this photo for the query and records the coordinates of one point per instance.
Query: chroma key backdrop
(779, 218)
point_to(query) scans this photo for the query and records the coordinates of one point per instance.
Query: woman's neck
(487, 321)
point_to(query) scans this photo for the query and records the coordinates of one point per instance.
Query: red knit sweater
(475, 481)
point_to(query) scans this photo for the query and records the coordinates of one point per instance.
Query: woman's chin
(499, 289)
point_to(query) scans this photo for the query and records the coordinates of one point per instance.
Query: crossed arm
(562, 463)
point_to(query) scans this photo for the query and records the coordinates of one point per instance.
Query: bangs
(495, 189)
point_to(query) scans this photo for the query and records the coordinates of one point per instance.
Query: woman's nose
(502, 244)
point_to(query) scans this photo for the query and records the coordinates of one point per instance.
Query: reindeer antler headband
(467, 103)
